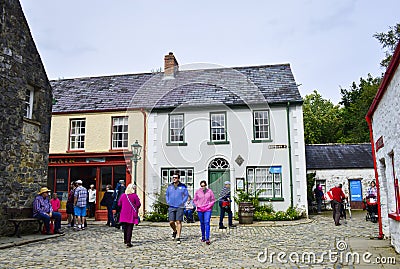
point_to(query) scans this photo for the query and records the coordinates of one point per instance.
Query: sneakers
(174, 235)
(232, 226)
(129, 245)
(203, 240)
(208, 242)
(222, 227)
(178, 240)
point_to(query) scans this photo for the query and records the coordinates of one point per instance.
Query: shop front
(97, 169)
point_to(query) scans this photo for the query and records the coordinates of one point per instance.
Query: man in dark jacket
(224, 202)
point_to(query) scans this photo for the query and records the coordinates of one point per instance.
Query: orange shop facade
(99, 169)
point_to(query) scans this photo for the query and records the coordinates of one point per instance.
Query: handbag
(51, 228)
(226, 204)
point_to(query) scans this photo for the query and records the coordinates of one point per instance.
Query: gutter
(290, 155)
(144, 157)
(371, 137)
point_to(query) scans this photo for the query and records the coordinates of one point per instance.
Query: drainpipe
(144, 157)
(371, 137)
(290, 155)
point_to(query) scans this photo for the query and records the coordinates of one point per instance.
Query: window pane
(120, 133)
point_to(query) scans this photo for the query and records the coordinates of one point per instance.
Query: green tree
(356, 102)
(389, 42)
(322, 120)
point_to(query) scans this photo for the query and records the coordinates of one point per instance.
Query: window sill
(176, 144)
(261, 141)
(271, 199)
(394, 216)
(32, 121)
(218, 143)
(75, 150)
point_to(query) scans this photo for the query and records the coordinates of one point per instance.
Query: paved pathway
(243, 247)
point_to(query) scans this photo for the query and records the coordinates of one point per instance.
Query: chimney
(170, 65)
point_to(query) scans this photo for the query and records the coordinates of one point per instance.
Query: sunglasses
(174, 177)
(203, 185)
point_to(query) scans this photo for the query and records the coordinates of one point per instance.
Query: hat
(227, 182)
(78, 181)
(43, 190)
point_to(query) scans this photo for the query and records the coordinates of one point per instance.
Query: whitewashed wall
(199, 154)
(386, 123)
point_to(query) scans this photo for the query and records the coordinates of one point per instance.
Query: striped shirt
(41, 205)
(225, 194)
(81, 193)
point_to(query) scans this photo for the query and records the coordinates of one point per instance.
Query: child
(55, 202)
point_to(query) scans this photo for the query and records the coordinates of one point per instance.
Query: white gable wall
(386, 124)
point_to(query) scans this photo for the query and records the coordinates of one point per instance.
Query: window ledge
(218, 143)
(272, 199)
(35, 122)
(394, 216)
(75, 150)
(261, 140)
(176, 144)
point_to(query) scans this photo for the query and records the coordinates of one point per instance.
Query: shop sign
(62, 161)
(379, 143)
(277, 146)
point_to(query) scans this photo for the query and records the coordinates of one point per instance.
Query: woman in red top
(55, 202)
(336, 202)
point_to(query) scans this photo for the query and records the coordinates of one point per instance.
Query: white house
(241, 124)
(383, 119)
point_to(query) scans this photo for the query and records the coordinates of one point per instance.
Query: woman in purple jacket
(130, 204)
(204, 200)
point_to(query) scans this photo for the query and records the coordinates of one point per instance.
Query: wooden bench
(17, 216)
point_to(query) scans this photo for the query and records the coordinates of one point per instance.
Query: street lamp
(136, 149)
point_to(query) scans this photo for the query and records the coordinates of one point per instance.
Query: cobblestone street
(102, 247)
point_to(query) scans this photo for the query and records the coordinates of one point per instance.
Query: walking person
(336, 203)
(130, 204)
(107, 201)
(319, 194)
(92, 201)
(70, 206)
(119, 190)
(80, 198)
(224, 202)
(176, 197)
(204, 200)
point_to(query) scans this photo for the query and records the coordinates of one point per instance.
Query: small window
(176, 122)
(120, 133)
(218, 127)
(261, 125)
(29, 95)
(186, 177)
(77, 134)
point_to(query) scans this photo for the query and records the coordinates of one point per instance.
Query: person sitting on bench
(42, 210)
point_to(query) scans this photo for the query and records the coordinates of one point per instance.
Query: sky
(329, 44)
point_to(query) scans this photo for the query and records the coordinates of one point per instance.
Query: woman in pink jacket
(129, 203)
(204, 200)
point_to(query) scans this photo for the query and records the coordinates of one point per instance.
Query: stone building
(383, 119)
(25, 112)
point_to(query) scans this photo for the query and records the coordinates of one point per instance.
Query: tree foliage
(388, 41)
(322, 120)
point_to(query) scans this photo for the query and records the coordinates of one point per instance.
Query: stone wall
(24, 142)
(385, 124)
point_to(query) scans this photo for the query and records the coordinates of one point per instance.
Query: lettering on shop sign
(379, 143)
(62, 161)
(277, 146)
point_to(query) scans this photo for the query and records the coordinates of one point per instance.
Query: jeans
(204, 218)
(92, 206)
(222, 215)
(336, 211)
(46, 220)
(110, 216)
(189, 214)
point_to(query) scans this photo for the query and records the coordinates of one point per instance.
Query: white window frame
(29, 97)
(119, 136)
(261, 125)
(260, 178)
(218, 127)
(77, 134)
(176, 128)
(186, 177)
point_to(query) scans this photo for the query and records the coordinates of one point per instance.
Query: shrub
(160, 208)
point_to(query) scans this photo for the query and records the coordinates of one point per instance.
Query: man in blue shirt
(176, 197)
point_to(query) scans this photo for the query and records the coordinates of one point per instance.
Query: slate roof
(228, 86)
(339, 156)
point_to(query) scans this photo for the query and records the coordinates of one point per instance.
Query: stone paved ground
(102, 247)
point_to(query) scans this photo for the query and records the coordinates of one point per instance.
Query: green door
(217, 179)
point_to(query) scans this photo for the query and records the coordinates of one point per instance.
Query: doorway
(218, 173)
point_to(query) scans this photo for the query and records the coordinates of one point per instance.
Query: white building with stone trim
(384, 120)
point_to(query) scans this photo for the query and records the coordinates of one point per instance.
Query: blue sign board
(355, 190)
(275, 169)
